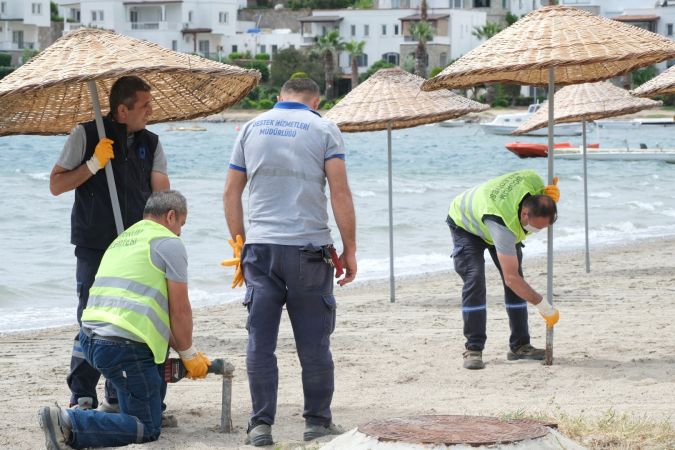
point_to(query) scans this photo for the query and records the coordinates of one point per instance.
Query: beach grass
(610, 430)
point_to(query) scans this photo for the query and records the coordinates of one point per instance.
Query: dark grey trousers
(298, 277)
(469, 262)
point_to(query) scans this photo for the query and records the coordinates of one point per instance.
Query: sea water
(628, 201)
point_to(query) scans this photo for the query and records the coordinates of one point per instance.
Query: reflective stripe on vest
(499, 197)
(130, 291)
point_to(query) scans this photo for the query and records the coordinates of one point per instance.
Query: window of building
(443, 59)
(323, 30)
(174, 45)
(396, 30)
(263, 49)
(100, 15)
(3, 7)
(384, 30)
(97, 15)
(352, 30)
(133, 16)
(362, 60)
(391, 58)
(669, 29)
(17, 38)
(291, 47)
(222, 17)
(204, 47)
(189, 16)
(481, 3)
(36, 8)
(275, 49)
(457, 4)
(395, 4)
(366, 30)
(506, 4)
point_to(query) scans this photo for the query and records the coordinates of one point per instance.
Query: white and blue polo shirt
(283, 152)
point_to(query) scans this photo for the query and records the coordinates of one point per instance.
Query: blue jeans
(469, 262)
(298, 277)
(131, 368)
(82, 378)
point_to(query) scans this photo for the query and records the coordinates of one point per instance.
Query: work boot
(526, 351)
(57, 432)
(317, 431)
(108, 407)
(473, 359)
(259, 435)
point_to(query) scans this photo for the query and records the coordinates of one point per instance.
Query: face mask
(531, 229)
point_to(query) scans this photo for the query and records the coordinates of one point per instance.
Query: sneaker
(84, 403)
(57, 433)
(526, 351)
(169, 421)
(473, 360)
(316, 431)
(107, 407)
(259, 435)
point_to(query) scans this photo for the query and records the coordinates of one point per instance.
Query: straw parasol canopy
(49, 95)
(588, 101)
(393, 95)
(662, 84)
(581, 46)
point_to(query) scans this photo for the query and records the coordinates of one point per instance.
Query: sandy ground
(614, 348)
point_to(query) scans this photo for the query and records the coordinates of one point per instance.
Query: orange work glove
(552, 190)
(196, 363)
(237, 245)
(102, 154)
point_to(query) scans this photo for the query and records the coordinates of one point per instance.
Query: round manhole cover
(448, 430)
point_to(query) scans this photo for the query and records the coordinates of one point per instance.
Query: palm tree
(486, 31)
(355, 49)
(328, 46)
(422, 32)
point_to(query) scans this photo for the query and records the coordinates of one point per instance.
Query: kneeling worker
(498, 215)
(138, 306)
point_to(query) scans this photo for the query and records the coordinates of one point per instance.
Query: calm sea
(628, 201)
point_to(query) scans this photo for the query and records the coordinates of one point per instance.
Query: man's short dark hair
(541, 206)
(123, 92)
(302, 86)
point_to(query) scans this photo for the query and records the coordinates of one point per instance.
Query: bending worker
(139, 166)
(138, 306)
(498, 215)
(287, 154)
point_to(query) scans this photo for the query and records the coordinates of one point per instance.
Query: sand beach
(614, 353)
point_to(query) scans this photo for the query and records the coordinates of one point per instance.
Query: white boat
(452, 123)
(663, 121)
(505, 124)
(617, 124)
(619, 154)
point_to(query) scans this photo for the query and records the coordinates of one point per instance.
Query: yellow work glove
(552, 190)
(548, 312)
(196, 363)
(237, 245)
(102, 154)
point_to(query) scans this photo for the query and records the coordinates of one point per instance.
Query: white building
(387, 33)
(199, 26)
(20, 24)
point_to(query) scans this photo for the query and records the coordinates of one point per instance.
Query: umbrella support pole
(112, 188)
(585, 158)
(548, 360)
(392, 287)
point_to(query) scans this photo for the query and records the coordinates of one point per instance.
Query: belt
(92, 335)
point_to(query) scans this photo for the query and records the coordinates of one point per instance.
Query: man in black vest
(140, 168)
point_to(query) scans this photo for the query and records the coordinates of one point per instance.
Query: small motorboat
(187, 128)
(532, 150)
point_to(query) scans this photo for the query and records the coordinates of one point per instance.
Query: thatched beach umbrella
(549, 46)
(391, 99)
(60, 87)
(661, 84)
(584, 102)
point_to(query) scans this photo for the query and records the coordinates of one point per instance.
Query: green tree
(289, 61)
(328, 46)
(422, 32)
(381, 64)
(54, 12)
(355, 49)
(510, 18)
(487, 31)
(641, 76)
(260, 66)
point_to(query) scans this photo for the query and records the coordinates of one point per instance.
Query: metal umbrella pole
(117, 213)
(549, 280)
(392, 288)
(585, 158)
